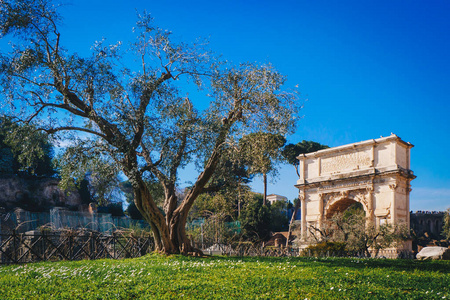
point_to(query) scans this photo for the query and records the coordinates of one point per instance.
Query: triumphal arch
(375, 173)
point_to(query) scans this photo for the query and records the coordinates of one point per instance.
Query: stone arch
(438, 227)
(340, 205)
(430, 226)
(375, 173)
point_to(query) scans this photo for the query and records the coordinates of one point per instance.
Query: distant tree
(113, 208)
(83, 190)
(24, 150)
(231, 179)
(446, 225)
(231, 171)
(291, 151)
(139, 119)
(209, 205)
(278, 216)
(255, 220)
(92, 169)
(262, 152)
(133, 212)
(214, 211)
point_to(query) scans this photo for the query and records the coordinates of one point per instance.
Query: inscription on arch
(347, 161)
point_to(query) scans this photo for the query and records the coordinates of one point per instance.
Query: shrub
(326, 248)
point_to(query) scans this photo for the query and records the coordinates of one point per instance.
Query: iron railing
(16, 248)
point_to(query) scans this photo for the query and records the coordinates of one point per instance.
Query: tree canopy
(446, 226)
(261, 151)
(24, 151)
(291, 151)
(137, 116)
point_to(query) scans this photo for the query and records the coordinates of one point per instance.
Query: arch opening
(344, 206)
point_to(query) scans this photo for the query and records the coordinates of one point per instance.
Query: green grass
(177, 277)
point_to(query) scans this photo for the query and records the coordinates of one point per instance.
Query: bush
(326, 248)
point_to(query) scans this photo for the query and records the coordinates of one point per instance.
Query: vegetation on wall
(446, 225)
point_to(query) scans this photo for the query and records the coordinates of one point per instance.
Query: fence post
(43, 233)
(114, 244)
(92, 252)
(70, 246)
(14, 246)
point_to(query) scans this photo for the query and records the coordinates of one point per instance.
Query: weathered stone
(35, 194)
(375, 173)
(434, 253)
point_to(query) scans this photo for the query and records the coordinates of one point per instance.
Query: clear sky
(364, 68)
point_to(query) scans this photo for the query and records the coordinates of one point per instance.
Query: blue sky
(364, 68)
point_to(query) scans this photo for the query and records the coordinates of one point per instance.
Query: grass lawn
(158, 277)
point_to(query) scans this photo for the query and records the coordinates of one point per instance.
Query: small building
(278, 239)
(272, 198)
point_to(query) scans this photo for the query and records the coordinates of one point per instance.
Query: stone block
(434, 253)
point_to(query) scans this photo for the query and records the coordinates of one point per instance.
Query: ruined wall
(37, 194)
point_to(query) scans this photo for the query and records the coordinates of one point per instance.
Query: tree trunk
(169, 232)
(149, 210)
(265, 188)
(297, 206)
(169, 227)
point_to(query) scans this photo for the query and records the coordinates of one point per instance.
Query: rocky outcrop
(434, 253)
(37, 194)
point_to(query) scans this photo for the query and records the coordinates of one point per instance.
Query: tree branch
(70, 128)
(144, 101)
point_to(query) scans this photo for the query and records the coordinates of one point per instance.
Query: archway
(375, 173)
(343, 206)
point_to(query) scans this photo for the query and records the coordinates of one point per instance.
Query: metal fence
(384, 253)
(23, 221)
(71, 245)
(249, 249)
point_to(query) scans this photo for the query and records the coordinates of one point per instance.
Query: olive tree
(352, 229)
(139, 118)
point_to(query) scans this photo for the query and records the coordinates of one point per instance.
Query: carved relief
(360, 196)
(346, 161)
(330, 197)
(344, 194)
(349, 184)
(393, 186)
